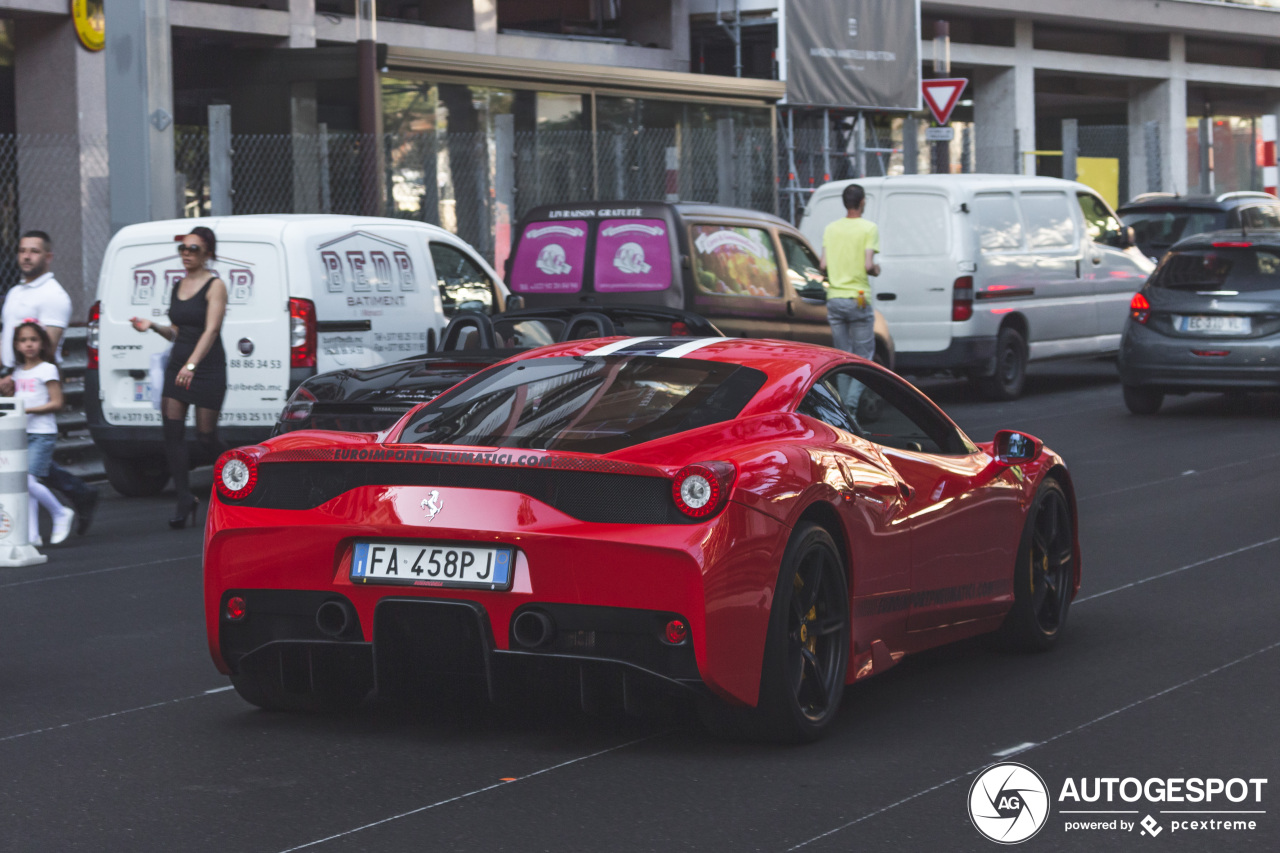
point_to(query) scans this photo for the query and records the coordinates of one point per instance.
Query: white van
(982, 273)
(306, 294)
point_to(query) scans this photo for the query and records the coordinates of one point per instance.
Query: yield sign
(941, 95)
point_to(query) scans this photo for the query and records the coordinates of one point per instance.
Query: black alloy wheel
(1010, 375)
(807, 651)
(1044, 576)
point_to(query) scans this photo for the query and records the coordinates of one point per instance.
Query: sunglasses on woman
(190, 248)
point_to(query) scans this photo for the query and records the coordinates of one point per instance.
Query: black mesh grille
(584, 495)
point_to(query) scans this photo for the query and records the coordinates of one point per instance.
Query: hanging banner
(852, 53)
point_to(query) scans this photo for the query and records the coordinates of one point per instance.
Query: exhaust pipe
(335, 618)
(533, 629)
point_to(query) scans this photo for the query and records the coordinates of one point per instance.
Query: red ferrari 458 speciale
(759, 523)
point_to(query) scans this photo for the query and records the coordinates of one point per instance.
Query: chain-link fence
(56, 183)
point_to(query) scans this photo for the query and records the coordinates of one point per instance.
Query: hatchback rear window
(632, 255)
(1160, 228)
(1242, 269)
(584, 404)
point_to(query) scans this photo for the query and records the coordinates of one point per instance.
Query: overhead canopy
(572, 73)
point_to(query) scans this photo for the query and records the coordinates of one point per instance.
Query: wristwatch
(191, 365)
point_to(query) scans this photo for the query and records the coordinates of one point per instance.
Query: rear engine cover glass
(584, 404)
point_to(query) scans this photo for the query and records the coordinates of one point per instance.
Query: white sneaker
(62, 527)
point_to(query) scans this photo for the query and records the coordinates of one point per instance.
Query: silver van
(981, 274)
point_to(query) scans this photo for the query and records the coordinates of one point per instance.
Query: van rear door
(917, 269)
(375, 295)
(140, 277)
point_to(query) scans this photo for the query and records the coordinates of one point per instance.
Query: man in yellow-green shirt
(849, 248)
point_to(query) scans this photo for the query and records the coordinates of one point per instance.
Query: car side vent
(584, 495)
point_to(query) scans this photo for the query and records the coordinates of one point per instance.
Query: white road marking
(1190, 473)
(68, 725)
(968, 773)
(1196, 564)
(220, 689)
(477, 791)
(1014, 750)
(44, 578)
(622, 344)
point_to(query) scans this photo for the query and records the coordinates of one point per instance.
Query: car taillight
(298, 406)
(701, 490)
(91, 335)
(679, 329)
(235, 474)
(1233, 244)
(302, 333)
(962, 299)
(1139, 308)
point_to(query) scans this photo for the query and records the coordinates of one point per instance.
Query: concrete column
(1004, 105)
(139, 96)
(486, 12)
(60, 96)
(302, 23)
(304, 126)
(1165, 103)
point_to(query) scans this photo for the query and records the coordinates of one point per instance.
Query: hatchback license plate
(431, 564)
(1227, 325)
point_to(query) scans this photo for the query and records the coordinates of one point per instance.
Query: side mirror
(515, 302)
(1015, 448)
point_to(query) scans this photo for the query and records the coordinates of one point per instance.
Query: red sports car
(758, 522)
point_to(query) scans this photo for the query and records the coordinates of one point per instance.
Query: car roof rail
(1245, 194)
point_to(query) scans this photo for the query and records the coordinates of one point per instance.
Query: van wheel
(1011, 367)
(136, 478)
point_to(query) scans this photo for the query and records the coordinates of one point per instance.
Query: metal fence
(55, 183)
(456, 180)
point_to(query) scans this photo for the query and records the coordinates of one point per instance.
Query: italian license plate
(432, 564)
(1219, 324)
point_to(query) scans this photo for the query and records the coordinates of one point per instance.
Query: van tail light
(679, 329)
(702, 490)
(1140, 308)
(302, 333)
(962, 299)
(235, 474)
(91, 335)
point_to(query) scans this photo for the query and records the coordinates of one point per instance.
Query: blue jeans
(40, 453)
(853, 329)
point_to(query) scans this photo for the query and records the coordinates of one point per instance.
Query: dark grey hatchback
(1208, 319)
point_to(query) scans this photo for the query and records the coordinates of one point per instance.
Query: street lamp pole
(368, 82)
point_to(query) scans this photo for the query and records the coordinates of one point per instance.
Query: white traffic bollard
(15, 550)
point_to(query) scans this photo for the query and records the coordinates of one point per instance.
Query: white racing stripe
(685, 349)
(608, 349)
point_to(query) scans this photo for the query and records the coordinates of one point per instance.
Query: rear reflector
(1233, 244)
(1211, 353)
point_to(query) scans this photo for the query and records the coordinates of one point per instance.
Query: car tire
(1010, 375)
(1044, 574)
(136, 478)
(806, 655)
(1143, 401)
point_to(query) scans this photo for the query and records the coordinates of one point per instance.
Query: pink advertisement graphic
(632, 255)
(550, 258)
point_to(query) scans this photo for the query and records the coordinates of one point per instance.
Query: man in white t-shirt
(38, 298)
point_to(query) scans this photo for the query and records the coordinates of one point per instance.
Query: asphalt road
(117, 733)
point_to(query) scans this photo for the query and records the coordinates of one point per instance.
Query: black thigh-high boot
(175, 451)
(210, 446)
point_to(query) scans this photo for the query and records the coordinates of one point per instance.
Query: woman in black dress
(197, 370)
